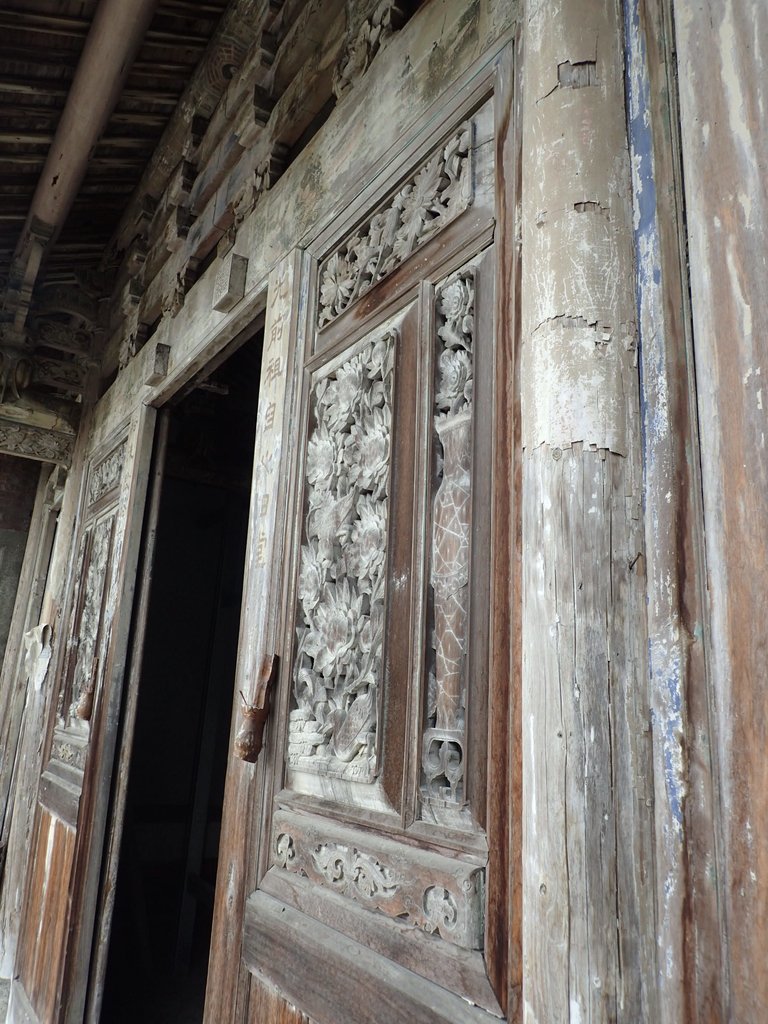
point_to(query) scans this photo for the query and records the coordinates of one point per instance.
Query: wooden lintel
(36, 443)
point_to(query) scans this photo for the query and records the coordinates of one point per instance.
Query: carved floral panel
(444, 743)
(340, 615)
(88, 632)
(431, 199)
(105, 475)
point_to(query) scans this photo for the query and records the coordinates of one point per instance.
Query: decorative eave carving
(33, 442)
(261, 180)
(371, 36)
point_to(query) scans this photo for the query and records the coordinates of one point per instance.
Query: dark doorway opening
(161, 925)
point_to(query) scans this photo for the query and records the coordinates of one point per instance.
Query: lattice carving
(438, 894)
(337, 670)
(431, 199)
(443, 757)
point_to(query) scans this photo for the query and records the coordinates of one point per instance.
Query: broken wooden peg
(250, 736)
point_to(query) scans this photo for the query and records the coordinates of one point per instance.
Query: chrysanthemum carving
(366, 452)
(335, 625)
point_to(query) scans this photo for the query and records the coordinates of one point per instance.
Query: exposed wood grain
(265, 1004)
(503, 938)
(588, 928)
(42, 936)
(691, 938)
(725, 155)
(349, 982)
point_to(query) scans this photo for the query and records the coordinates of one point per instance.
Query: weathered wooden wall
(723, 98)
(645, 791)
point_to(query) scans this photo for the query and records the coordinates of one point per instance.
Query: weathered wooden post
(588, 927)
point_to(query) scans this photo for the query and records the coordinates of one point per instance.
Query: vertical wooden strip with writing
(227, 990)
(265, 541)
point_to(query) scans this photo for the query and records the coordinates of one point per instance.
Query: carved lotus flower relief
(329, 520)
(343, 394)
(379, 362)
(311, 578)
(342, 580)
(368, 540)
(417, 203)
(337, 285)
(434, 196)
(334, 631)
(366, 452)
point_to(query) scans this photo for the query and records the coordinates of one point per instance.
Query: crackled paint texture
(587, 773)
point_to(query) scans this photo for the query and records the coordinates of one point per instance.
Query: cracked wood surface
(725, 154)
(588, 928)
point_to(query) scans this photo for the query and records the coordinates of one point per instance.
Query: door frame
(214, 353)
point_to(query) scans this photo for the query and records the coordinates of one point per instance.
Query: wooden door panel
(42, 934)
(341, 979)
(373, 850)
(60, 895)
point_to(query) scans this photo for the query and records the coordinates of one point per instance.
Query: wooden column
(588, 928)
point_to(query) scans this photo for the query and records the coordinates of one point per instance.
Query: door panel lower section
(54, 857)
(341, 979)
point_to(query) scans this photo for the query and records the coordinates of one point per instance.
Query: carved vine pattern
(431, 199)
(354, 873)
(400, 890)
(337, 668)
(443, 758)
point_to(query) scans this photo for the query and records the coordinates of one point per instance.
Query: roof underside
(40, 44)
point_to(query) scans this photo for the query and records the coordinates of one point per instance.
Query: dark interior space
(164, 898)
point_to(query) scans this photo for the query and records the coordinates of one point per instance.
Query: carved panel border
(429, 200)
(438, 894)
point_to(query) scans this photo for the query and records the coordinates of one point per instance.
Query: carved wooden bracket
(372, 35)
